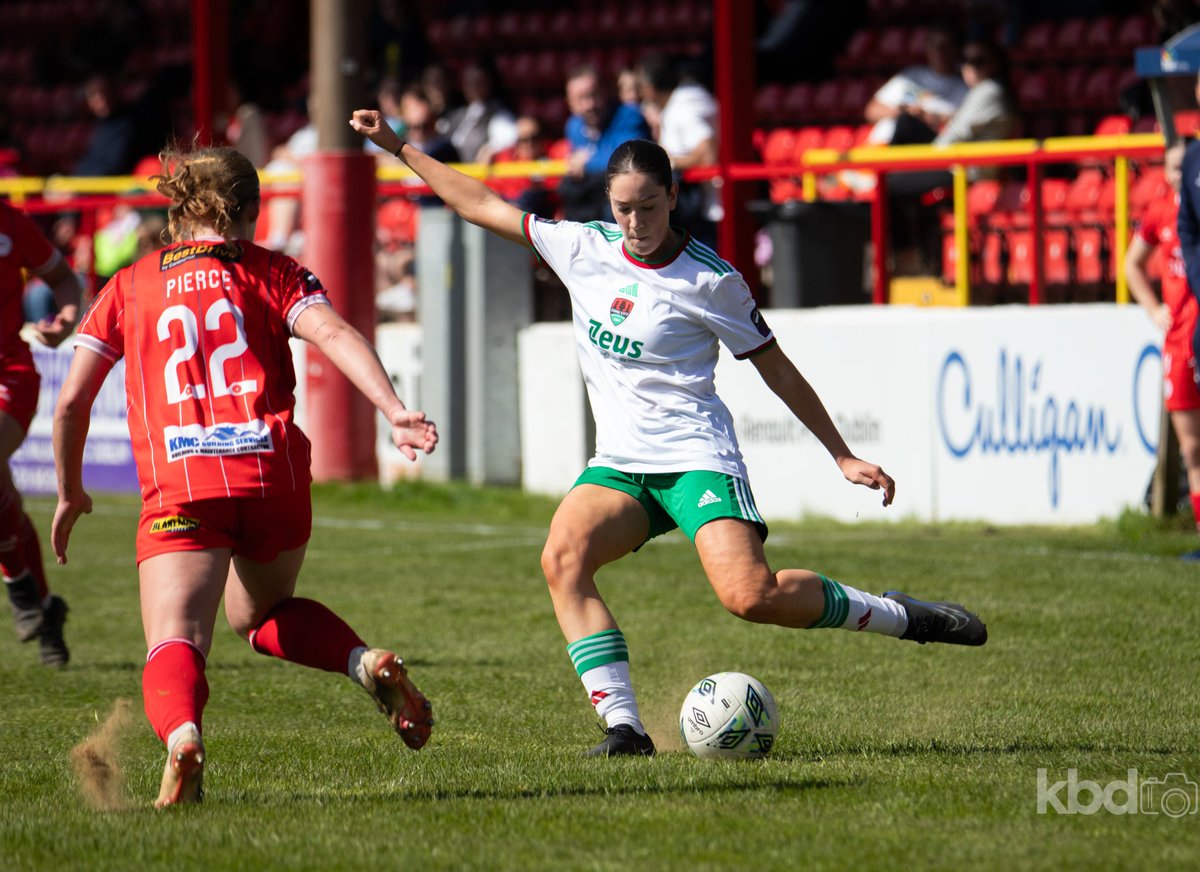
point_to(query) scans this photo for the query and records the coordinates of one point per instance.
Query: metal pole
(733, 45)
(338, 214)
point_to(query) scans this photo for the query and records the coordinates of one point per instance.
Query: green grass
(890, 754)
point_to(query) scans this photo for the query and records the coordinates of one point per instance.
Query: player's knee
(561, 562)
(1191, 455)
(748, 599)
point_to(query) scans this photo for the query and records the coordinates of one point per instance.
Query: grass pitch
(891, 755)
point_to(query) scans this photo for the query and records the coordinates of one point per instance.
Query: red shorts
(19, 383)
(256, 528)
(1180, 392)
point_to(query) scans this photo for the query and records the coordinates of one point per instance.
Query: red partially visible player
(203, 325)
(36, 612)
(1176, 315)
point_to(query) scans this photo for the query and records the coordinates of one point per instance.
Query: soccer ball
(729, 714)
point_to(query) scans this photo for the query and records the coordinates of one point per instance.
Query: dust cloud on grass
(96, 764)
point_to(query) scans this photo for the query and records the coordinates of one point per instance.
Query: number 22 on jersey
(177, 389)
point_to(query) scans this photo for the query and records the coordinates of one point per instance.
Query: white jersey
(647, 337)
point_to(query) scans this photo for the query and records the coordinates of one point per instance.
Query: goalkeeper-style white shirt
(647, 337)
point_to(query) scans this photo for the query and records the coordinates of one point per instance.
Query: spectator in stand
(629, 90)
(110, 150)
(913, 105)
(1174, 314)
(246, 127)
(388, 96)
(283, 213)
(598, 124)
(688, 134)
(421, 129)
(438, 86)
(988, 112)
(37, 614)
(529, 195)
(484, 126)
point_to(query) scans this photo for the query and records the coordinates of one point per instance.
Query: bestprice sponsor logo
(1174, 795)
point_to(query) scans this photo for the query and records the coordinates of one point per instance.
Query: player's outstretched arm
(355, 357)
(782, 377)
(470, 198)
(72, 418)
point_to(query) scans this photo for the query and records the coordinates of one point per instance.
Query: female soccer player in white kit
(650, 306)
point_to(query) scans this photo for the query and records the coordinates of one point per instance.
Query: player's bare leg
(1187, 429)
(594, 526)
(180, 593)
(732, 555)
(37, 614)
(261, 607)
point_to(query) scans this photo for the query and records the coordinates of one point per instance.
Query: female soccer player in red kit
(203, 326)
(36, 612)
(1176, 315)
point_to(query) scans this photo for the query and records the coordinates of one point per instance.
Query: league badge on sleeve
(759, 322)
(619, 310)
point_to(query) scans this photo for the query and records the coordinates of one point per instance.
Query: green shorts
(687, 500)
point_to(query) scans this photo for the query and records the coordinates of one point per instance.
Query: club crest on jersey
(175, 524)
(619, 310)
(173, 257)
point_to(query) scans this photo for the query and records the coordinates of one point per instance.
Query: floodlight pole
(338, 215)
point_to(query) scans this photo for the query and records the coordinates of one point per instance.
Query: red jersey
(1158, 227)
(204, 326)
(22, 246)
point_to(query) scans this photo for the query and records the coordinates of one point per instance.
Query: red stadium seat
(1099, 42)
(1133, 32)
(1068, 38)
(1034, 46)
(839, 138)
(1056, 256)
(858, 53)
(1036, 90)
(1092, 255)
(779, 150)
(826, 101)
(855, 95)
(1102, 88)
(1150, 186)
(806, 138)
(1187, 122)
(891, 48)
(396, 221)
(768, 104)
(797, 103)
(1113, 125)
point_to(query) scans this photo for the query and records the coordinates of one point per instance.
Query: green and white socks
(850, 609)
(601, 661)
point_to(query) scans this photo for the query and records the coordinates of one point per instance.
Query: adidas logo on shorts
(708, 499)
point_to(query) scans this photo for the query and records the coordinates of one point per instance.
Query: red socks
(174, 689)
(1196, 509)
(304, 631)
(12, 520)
(31, 550)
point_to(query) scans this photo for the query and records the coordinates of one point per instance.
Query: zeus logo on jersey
(252, 437)
(606, 340)
(172, 257)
